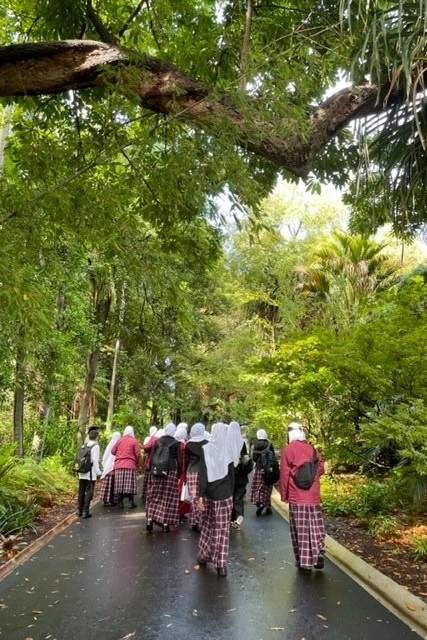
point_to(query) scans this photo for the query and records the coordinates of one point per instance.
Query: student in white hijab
(306, 522)
(216, 480)
(193, 453)
(260, 490)
(162, 499)
(242, 467)
(107, 493)
(127, 452)
(147, 450)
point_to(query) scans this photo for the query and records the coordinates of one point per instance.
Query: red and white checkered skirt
(307, 528)
(107, 492)
(214, 538)
(260, 490)
(193, 489)
(162, 499)
(145, 478)
(125, 481)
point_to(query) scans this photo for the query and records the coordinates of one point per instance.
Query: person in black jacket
(193, 449)
(216, 482)
(242, 468)
(162, 499)
(260, 490)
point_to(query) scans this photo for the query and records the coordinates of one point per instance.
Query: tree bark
(55, 67)
(91, 369)
(18, 401)
(112, 394)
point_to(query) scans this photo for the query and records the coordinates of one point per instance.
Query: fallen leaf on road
(319, 615)
(411, 607)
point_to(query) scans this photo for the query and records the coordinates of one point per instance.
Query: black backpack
(305, 474)
(161, 461)
(269, 466)
(82, 461)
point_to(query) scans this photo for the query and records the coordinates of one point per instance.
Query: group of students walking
(191, 475)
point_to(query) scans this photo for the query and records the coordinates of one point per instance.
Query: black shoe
(166, 528)
(149, 525)
(195, 527)
(132, 505)
(268, 511)
(304, 570)
(320, 562)
(222, 571)
(79, 513)
(259, 510)
(202, 562)
(86, 514)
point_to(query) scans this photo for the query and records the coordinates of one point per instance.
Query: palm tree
(345, 271)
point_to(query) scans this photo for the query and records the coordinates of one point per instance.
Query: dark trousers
(86, 489)
(238, 501)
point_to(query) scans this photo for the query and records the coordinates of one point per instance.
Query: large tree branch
(55, 67)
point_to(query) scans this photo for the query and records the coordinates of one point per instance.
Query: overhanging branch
(55, 67)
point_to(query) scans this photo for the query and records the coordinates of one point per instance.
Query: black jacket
(219, 489)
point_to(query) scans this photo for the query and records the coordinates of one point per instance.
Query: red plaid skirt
(307, 528)
(193, 488)
(260, 491)
(107, 492)
(214, 538)
(162, 499)
(125, 481)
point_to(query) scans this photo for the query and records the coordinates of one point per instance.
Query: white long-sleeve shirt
(95, 471)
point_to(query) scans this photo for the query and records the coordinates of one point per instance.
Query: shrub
(419, 544)
(358, 496)
(384, 526)
(27, 487)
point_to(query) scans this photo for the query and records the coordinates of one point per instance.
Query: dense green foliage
(26, 487)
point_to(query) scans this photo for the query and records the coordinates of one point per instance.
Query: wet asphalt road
(107, 578)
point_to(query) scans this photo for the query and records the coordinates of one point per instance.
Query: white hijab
(152, 432)
(170, 429)
(235, 439)
(197, 432)
(108, 458)
(129, 431)
(295, 432)
(219, 452)
(261, 434)
(181, 434)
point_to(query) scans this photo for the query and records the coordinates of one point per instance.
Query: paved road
(105, 577)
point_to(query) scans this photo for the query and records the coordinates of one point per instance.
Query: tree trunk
(84, 413)
(112, 394)
(18, 401)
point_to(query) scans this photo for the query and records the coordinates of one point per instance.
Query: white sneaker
(239, 520)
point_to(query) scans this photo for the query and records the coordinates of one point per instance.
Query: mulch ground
(394, 558)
